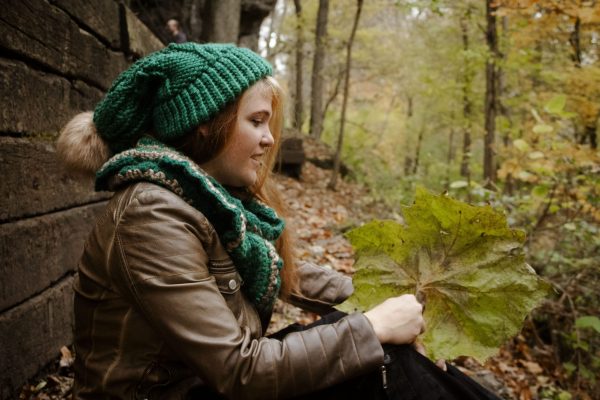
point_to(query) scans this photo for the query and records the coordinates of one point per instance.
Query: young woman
(178, 279)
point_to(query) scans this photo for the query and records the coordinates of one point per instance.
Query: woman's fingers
(398, 320)
(442, 364)
(420, 348)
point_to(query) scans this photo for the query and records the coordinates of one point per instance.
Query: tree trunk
(508, 182)
(418, 151)
(489, 162)
(575, 40)
(195, 23)
(450, 157)
(465, 168)
(589, 129)
(408, 161)
(502, 109)
(223, 25)
(336, 163)
(272, 30)
(298, 98)
(334, 93)
(407, 165)
(193, 11)
(274, 27)
(589, 132)
(316, 103)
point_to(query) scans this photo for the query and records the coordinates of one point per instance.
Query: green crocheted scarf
(248, 229)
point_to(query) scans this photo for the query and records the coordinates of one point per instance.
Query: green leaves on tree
(462, 261)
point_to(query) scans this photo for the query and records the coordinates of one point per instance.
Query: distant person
(177, 35)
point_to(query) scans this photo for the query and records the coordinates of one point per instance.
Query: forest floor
(318, 218)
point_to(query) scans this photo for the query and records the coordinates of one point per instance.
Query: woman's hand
(398, 320)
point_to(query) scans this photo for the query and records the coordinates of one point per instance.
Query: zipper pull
(384, 376)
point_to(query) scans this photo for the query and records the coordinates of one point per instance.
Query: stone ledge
(38, 251)
(32, 335)
(35, 183)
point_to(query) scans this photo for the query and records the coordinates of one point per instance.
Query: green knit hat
(174, 90)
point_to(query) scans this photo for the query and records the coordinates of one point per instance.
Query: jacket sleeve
(320, 289)
(160, 262)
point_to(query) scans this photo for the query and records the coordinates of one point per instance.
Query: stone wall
(57, 58)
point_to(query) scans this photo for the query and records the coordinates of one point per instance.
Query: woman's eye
(256, 122)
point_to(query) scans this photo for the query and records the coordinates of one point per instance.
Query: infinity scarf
(248, 229)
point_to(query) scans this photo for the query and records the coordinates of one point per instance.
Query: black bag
(405, 375)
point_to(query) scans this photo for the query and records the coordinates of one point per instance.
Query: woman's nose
(267, 139)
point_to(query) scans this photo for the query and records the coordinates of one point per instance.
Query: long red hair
(202, 147)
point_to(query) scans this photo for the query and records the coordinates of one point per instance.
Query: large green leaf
(463, 261)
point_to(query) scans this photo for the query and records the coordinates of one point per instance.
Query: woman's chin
(247, 181)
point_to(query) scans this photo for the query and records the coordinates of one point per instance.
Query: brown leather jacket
(158, 310)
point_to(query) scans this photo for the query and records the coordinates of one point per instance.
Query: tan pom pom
(80, 147)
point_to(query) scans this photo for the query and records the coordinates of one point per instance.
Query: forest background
(494, 102)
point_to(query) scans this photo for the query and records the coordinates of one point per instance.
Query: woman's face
(238, 164)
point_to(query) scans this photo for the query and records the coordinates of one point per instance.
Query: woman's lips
(257, 159)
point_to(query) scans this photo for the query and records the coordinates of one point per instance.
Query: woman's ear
(203, 129)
